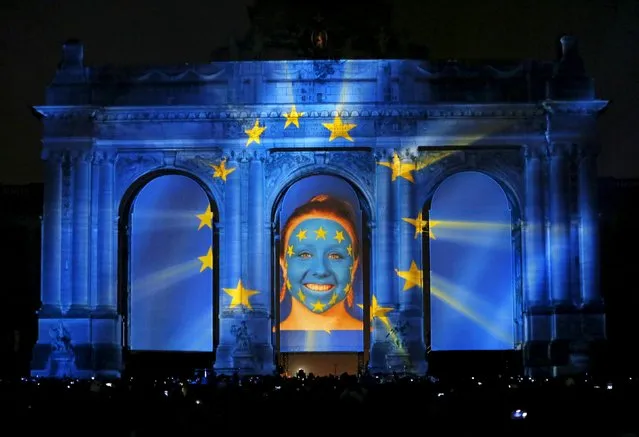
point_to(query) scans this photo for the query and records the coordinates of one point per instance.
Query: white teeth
(319, 287)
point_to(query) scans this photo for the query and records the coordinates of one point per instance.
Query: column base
(78, 311)
(49, 311)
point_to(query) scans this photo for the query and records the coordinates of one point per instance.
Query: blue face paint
(319, 264)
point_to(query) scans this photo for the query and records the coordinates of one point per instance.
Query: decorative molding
(574, 107)
(394, 117)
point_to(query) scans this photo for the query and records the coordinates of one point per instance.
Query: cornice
(119, 114)
(574, 107)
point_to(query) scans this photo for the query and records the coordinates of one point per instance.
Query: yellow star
(206, 219)
(301, 296)
(333, 299)
(339, 236)
(301, 235)
(289, 251)
(240, 295)
(418, 222)
(318, 306)
(254, 133)
(220, 171)
(339, 129)
(431, 225)
(413, 277)
(377, 311)
(320, 234)
(400, 169)
(349, 249)
(293, 117)
(206, 260)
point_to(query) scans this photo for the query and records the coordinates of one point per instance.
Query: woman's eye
(335, 256)
(304, 255)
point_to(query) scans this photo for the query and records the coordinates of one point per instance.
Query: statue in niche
(242, 337)
(62, 360)
(61, 340)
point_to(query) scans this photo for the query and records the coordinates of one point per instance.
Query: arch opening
(168, 255)
(321, 247)
(470, 252)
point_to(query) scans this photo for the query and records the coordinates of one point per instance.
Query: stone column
(230, 227)
(588, 230)
(81, 232)
(107, 230)
(534, 230)
(410, 329)
(382, 262)
(258, 257)
(257, 251)
(559, 225)
(94, 280)
(52, 234)
(232, 249)
(67, 233)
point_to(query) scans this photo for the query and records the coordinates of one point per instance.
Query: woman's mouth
(322, 288)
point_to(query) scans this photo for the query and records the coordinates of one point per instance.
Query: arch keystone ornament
(188, 206)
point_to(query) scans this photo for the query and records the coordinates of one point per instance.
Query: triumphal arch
(253, 210)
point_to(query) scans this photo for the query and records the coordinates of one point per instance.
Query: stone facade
(531, 126)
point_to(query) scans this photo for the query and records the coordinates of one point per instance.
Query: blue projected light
(320, 266)
(471, 263)
(171, 299)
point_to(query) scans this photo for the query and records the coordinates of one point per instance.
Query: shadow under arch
(174, 362)
(514, 202)
(366, 217)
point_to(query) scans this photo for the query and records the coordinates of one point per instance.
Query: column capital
(534, 151)
(80, 156)
(558, 149)
(54, 156)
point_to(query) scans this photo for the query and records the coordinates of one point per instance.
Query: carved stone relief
(130, 166)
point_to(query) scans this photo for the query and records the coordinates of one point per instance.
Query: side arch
(124, 252)
(508, 183)
(514, 240)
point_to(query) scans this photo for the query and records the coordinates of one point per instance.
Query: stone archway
(168, 251)
(472, 255)
(347, 353)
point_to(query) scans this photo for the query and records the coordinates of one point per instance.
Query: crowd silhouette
(390, 404)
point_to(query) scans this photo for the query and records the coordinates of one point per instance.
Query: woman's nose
(320, 269)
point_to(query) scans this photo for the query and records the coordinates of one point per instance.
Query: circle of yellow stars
(320, 234)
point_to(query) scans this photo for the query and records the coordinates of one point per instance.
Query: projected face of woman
(319, 264)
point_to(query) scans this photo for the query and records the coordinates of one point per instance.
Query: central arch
(345, 346)
(167, 275)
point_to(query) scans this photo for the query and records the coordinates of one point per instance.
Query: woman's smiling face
(319, 263)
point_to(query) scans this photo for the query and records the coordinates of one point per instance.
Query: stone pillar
(537, 318)
(588, 230)
(81, 233)
(382, 263)
(107, 228)
(52, 235)
(232, 250)
(67, 233)
(230, 227)
(559, 243)
(534, 230)
(410, 329)
(258, 259)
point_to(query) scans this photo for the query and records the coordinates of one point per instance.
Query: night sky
(171, 32)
